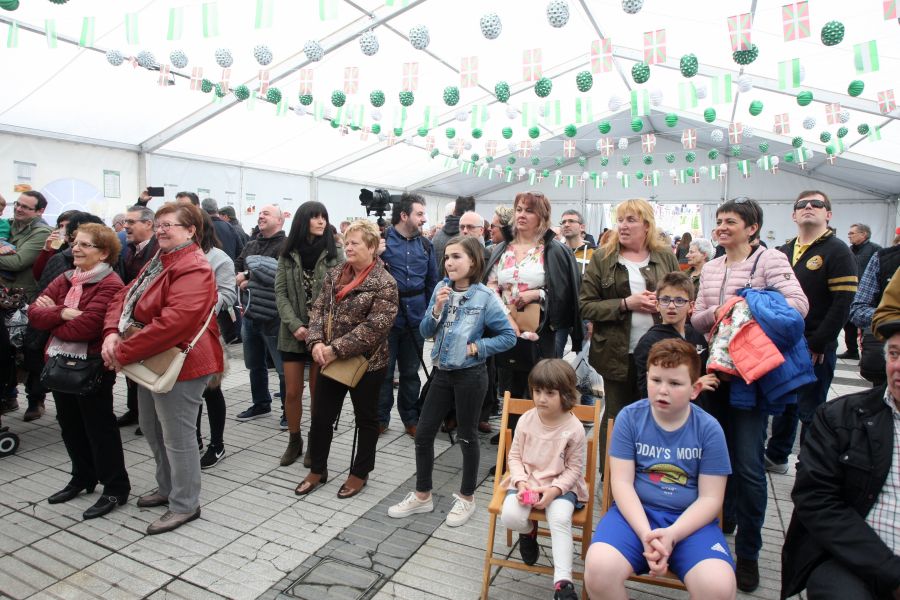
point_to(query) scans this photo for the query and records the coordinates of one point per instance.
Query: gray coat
(261, 305)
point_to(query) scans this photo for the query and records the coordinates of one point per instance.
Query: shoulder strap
(753, 270)
(202, 329)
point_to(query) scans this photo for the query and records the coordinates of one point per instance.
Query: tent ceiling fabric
(73, 91)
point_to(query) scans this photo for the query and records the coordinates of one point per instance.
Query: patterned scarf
(73, 299)
(145, 278)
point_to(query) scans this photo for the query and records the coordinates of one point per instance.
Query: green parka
(28, 240)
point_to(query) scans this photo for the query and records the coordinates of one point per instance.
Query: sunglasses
(814, 203)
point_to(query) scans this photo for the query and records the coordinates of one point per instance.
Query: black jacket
(266, 246)
(561, 286)
(864, 253)
(228, 237)
(844, 463)
(665, 332)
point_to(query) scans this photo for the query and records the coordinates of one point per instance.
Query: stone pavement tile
(115, 576)
(182, 590)
(244, 466)
(16, 466)
(61, 516)
(18, 529)
(49, 455)
(114, 531)
(21, 578)
(393, 590)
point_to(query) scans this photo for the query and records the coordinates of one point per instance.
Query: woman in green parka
(309, 252)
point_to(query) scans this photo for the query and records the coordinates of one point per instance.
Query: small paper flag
(874, 134)
(164, 75)
(327, 10)
(196, 78)
(306, 81)
(689, 139)
(552, 112)
(264, 76)
(176, 23)
(210, 19)
(655, 47)
(601, 56)
(735, 133)
(721, 89)
(351, 80)
(584, 110)
(789, 74)
(12, 36)
(783, 124)
(648, 143)
(264, 12)
(640, 103)
(886, 101)
(468, 72)
(796, 21)
(569, 148)
(531, 64)
(50, 32)
(131, 29)
(410, 77)
(833, 113)
(687, 95)
(739, 31)
(87, 32)
(865, 57)
(606, 146)
(890, 9)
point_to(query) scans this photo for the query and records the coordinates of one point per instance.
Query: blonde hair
(368, 230)
(644, 211)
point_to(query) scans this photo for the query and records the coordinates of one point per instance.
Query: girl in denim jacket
(461, 313)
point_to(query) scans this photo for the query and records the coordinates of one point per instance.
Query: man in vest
(863, 249)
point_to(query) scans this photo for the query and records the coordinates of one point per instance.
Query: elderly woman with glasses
(699, 253)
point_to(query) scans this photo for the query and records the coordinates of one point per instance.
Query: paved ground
(257, 539)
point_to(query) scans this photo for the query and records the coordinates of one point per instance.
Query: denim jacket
(480, 310)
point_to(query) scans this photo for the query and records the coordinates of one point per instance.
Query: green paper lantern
(689, 171)
(220, 90)
(637, 124)
(376, 129)
(604, 161)
(571, 131)
(273, 95)
(488, 159)
(863, 129)
(422, 131)
(797, 142)
(451, 95)
(511, 160)
(832, 33)
(534, 132)
(435, 152)
(545, 173)
(842, 132)
(764, 147)
(689, 65)
(639, 175)
(9, 4)
(535, 160)
(507, 132)
(450, 133)
(640, 72)
(306, 99)
(736, 150)
(804, 98)
(829, 149)
(377, 98)
(582, 161)
(584, 81)
(242, 92)
(756, 107)
(709, 115)
(745, 57)
(713, 154)
(334, 123)
(789, 157)
(398, 131)
(670, 157)
(856, 87)
(824, 137)
(501, 90)
(338, 98)
(626, 160)
(690, 157)
(648, 159)
(604, 127)
(558, 161)
(474, 158)
(354, 127)
(543, 87)
(206, 86)
(477, 133)
(671, 119)
(407, 98)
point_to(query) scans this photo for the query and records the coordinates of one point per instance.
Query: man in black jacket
(844, 537)
(863, 249)
(228, 237)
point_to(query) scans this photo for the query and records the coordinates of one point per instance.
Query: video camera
(377, 202)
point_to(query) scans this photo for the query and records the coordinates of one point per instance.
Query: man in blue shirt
(409, 257)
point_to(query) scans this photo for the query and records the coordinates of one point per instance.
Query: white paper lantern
(716, 135)
(491, 26)
(522, 171)
(375, 114)
(844, 116)
(749, 132)
(775, 160)
(511, 112)
(656, 97)
(114, 57)
(618, 174)
(313, 50)
(745, 83)
(462, 115)
(809, 123)
(701, 90)
(723, 168)
(632, 6)
(224, 58)
(535, 147)
(178, 59)
(300, 110)
(419, 37)
(368, 43)
(672, 172)
(704, 170)
(604, 175)
(381, 137)
(558, 13)
(512, 147)
(262, 54)
(616, 102)
(468, 146)
(623, 143)
(584, 176)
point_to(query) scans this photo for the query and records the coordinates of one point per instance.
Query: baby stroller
(12, 328)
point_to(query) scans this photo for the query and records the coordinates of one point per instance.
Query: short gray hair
(210, 206)
(863, 229)
(572, 211)
(147, 214)
(704, 246)
(505, 214)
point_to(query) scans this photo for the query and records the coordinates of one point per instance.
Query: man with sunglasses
(826, 270)
(28, 232)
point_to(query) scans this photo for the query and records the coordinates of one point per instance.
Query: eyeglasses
(468, 227)
(804, 203)
(168, 226)
(567, 221)
(667, 300)
(742, 200)
(18, 204)
(82, 245)
(133, 221)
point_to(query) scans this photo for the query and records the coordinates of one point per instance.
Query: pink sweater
(544, 456)
(773, 271)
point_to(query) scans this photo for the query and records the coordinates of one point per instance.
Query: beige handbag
(528, 318)
(158, 373)
(344, 370)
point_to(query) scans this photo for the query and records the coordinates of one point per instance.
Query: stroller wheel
(9, 443)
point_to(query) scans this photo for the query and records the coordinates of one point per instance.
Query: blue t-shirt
(668, 463)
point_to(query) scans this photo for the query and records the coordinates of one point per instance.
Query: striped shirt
(884, 517)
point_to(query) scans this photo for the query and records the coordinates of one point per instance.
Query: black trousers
(850, 337)
(832, 580)
(91, 437)
(327, 406)
(215, 408)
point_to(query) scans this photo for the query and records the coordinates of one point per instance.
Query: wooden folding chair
(582, 519)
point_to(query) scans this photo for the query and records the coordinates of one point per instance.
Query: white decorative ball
(775, 160)
(632, 7)
(558, 13)
(313, 50)
(114, 57)
(381, 137)
(623, 143)
(262, 54)
(745, 83)
(522, 171)
(535, 147)
(491, 26)
(224, 58)
(597, 145)
(604, 175)
(716, 135)
(809, 123)
(419, 37)
(368, 43)
(844, 116)
(512, 147)
(704, 170)
(656, 97)
(178, 59)
(375, 114)
(468, 145)
(749, 133)
(619, 174)
(701, 90)
(511, 112)
(462, 115)
(723, 168)
(802, 73)
(146, 59)
(300, 110)
(672, 172)
(616, 102)
(584, 175)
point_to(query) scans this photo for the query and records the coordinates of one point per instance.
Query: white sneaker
(461, 512)
(411, 505)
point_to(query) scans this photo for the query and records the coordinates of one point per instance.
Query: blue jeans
(747, 489)
(809, 398)
(259, 342)
(403, 355)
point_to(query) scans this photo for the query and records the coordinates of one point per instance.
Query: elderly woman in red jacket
(72, 309)
(165, 306)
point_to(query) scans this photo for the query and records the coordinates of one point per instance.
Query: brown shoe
(352, 487)
(411, 431)
(485, 427)
(311, 482)
(151, 500)
(171, 520)
(34, 412)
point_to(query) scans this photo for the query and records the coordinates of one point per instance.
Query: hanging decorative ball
(114, 57)
(368, 43)
(690, 157)
(648, 159)
(824, 137)
(615, 102)
(809, 123)
(375, 114)
(262, 54)
(535, 147)
(832, 33)
(451, 95)
(313, 50)
(709, 115)
(376, 128)
(474, 158)
(862, 129)
(756, 107)
(736, 150)
(623, 143)
(545, 173)
(626, 160)
(689, 171)
(841, 132)
(507, 132)
(9, 4)
(749, 132)
(571, 131)
(764, 147)
(745, 57)
(338, 98)
(856, 87)
(224, 58)
(804, 98)
(376, 97)
(637, 124)
(844, 116)
(671, 119)
(535, 160)
(582, 161)
(632, 7)
(716, 136)
(670, 157)
(335, 124)
(273, 95)
(533, 132)
(178, 59)
(477, 133)
(398, 131)
(797, 142)
(491, 26)
(419, 37)
(206, 86)
(700, 90)
(656, 97)
(640, 72)
(501, 90)
(220, 90)
(713, 154)
(557, 13)
(704, 170)
(543, 87)
(745, 83)
(639, 174)
(511, 113)
(789, 157)
(584, 81)
(450, 133)
(604, 161)
(407, 98)
(462, 115)
(242, 92)
(146, 59)
(604, 127)
(558, 161)
(422, 131)
(689, 65)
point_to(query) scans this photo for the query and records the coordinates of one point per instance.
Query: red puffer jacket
(172, 310)
(87, 327)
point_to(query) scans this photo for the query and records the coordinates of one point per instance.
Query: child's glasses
(667, 300)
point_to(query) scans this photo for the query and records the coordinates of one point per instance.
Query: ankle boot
(294, 449)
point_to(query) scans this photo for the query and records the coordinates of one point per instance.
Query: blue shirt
(415, 270)
(668, 463)
(861, 309)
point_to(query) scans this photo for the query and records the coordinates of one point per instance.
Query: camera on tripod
(377, 202)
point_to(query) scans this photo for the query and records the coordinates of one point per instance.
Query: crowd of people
(700, 347)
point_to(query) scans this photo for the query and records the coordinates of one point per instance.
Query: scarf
(310, 252)
(145, 278)
(347, 273)
(72, 300)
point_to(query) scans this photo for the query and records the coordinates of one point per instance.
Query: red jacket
(172, 309)
(87, 327)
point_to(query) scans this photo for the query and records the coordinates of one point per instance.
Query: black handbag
(522, 357)
(67, 375)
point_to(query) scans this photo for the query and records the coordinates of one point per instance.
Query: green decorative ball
(501, 90)
(398, 131)
(824, 137)
(689, 171)
(584, 81)
(334, 123)
(451, 95)
(220, 90)
(354, 127)
(648, 159)
(789, 157)
(756, 107)
(736, 150)
(242, 92)
(604, 127)
(626, 160)
(9, 4)
(376, 128)
(477, 133)
(713, 154)
(862, 129)
(709, 115)
(535, 160)
(488, 159)
(637, 124)
(273, 95)
(797, 142)
(407, 98)
(829, 149)
(582, 161)
(377, 98)
(534, 132)
(422, 131)
(338, 98)
(545, 173)
(511, 160)
(571, 131)
(543, 87)
(856, 87)
(640, 72)
(435, 152)
(474, 157)
(558, 161)
(507, 132)
(804, 98)
(689, 65)
(306, 99)
(745, 57)
(690, 157)
(604, 160)
(450, 133)
(832, 33)
(764, 147)
(206, 86)
(671, 119)
(670, 157)
(639, 175)
(842, 132)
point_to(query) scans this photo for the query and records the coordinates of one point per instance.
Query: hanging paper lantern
(501, 90)
(797, 142)
(507, 132)
(368, 43)
(671, 119)
(809, 123)
(558, 161)
(749, 132)
(824, 137)
(713, 154)
(489, 159)
(407, 98)
(639, 174)
(584, 81)
(844, 116)
(626, 160)
(756, 107)
(709, 115)
(582, 161)
(615, 102)
(376, 98)
(648, 159)
(604, 161)
(690, 171)
(338, 98)
(474, 158)
(534, 132)
(451, 95)
(745, 57)
(313, 50)
(422, 131)
(832, 33)
(543, 87)
(419, 37)
(114, 57)
(656, 97)
(262, 54)
(856, 87)
(745, 83)
(220, 90)
(511, 113)
(178, 59)
(535, 160)
(704, 170)
(640, 72)
(206, 86)
(632, 7)
(242, 92)
(736, 150)
(477, 133)
(557, 13)
(273, 95)
(789, 157)
(689, 65)
(571, 131)
(376, 128)
(535, 147)
(716, 136)
(146, 59)
(491, 26)
(545, 173)
(9, 4)
(829, 149)
(637, 124)
(604, 127)
(862, 129)
(450, 133)
(224, 58)
(842, 132)
(690, 157)
(623, 143)
(670, 157)
(804, 98)
(375, 114)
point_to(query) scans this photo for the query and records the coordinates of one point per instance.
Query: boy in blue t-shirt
(668, 468)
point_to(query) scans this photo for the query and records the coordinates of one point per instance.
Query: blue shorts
(706, 542)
